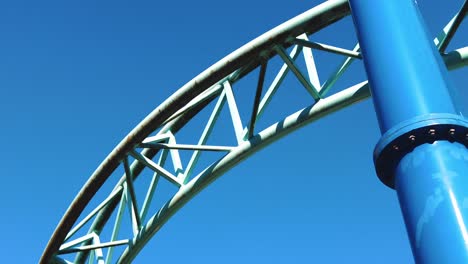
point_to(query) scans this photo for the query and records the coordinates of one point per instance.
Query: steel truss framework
(153, 144)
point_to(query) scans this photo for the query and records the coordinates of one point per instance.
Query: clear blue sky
(77, 76)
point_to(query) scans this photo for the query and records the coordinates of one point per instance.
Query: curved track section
(153, 145)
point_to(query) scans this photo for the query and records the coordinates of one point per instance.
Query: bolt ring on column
(404, 137)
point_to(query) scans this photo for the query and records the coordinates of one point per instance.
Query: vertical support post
(423, 150)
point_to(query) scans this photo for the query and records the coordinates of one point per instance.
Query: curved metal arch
(233, 67)
(310, 21)
(329, 105)
(293, 122)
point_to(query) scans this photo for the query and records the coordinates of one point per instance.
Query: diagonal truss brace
(310, 63)
(309, 87)
(130, 192)
(155, 167)
(444, 38)
(167, 137)
(234, 110)
(93, 213)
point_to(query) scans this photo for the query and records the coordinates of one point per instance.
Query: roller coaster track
(153, 144)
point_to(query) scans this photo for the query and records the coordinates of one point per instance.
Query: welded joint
(167, 137)
(95, 246)
(301, 78)
(333, 78)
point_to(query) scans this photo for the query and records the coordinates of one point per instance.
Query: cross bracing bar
(133, 206)
(276, 82)
(205, 96)
(96, 246)
(78, 241)
(175, 155)
(309, 87)
(185, 147)
(155, 167)
(93, 247)
(441, 38)
(328, 84)
(310, 63)
(116, 227)
(258, 94)
(94, 212)
(152, 187)
(247, 58)
(167, 137)
(164, 137)
(451, 28)
(205, 134)
(234, 110)
(329, 48)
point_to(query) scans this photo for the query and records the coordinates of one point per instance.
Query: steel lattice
(154, 146)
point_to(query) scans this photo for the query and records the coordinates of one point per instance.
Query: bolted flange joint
(407, 135)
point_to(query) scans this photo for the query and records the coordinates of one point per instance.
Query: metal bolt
(412, 138)
(395, 147)
(432, 132)
(452, 132)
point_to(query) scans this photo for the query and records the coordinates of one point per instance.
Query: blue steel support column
(423, 150)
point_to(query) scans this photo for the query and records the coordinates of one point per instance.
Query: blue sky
(76, 77)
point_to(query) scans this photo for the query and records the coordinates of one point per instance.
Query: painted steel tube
(431, 184)
(402, 62)
(409, 82)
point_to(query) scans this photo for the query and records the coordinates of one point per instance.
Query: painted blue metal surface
(431, 183)
(423, 149)
(402, 139)
(396, 50)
